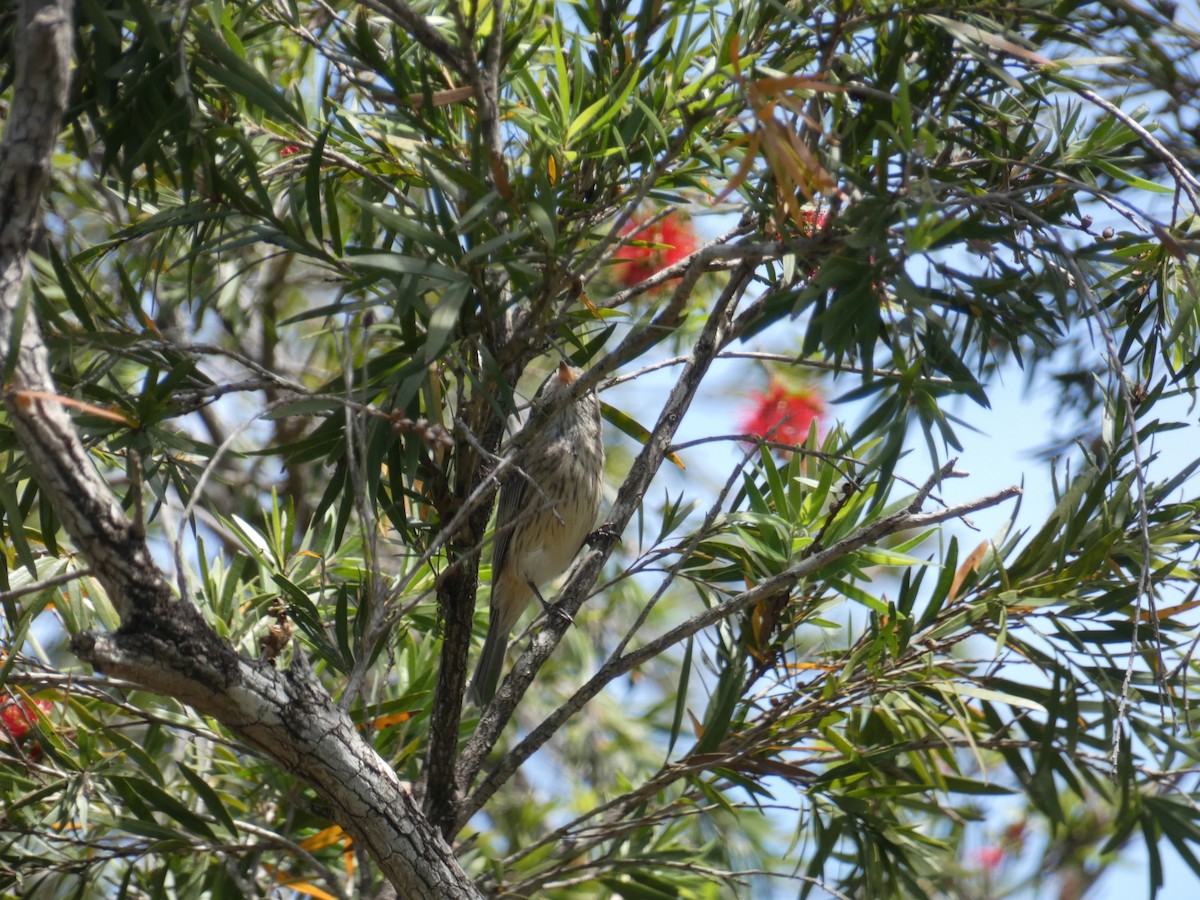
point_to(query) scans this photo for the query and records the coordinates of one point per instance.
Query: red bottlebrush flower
(783, 414)
(814, 220)
(289, 149)
(990, 857)
(671, 239)
(17, 717)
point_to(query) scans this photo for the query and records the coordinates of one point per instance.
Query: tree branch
(164, 644)
(909, 517)
(574, 592)
(289, 717)
(1187, 182)
(93, 516)
(423, 33)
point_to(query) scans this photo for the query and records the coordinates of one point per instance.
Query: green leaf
(15, 527)
(405, 225)
(444, 318)
(626, 424)
(1129, 178)
(239, 76)
(312, 184)
(159, 800)
(211, 800)
(981, 693)
(681, 696)
(398, 264)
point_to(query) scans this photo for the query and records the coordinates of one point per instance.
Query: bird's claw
(556, 611)
(604, 533)
(561, 614)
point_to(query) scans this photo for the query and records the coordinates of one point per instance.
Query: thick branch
(89, 511)
(164, 644)
(289, 717)
(456, 601)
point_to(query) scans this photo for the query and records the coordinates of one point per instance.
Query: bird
(548, 504)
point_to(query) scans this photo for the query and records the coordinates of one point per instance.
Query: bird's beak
(565, 375)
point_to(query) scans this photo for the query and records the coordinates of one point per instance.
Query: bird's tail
(491, 661)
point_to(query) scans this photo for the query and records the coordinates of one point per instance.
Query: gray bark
(164, 644)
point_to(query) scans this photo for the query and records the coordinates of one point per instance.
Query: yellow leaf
(1164, 614)
(309, 890)
(324, 838)
(388, 721)
(441, 98)
(970, 564)
(25, 396)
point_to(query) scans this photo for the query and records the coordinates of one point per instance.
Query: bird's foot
(604, 534)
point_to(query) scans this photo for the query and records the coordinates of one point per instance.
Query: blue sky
(1001, 452)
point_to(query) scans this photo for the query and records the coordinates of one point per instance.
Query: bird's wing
(512, 502)
(513, 493)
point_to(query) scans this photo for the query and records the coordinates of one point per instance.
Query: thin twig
(686, 553)
(1183, 175)
(201, 483)
(909, 517)
(357, 457)
(421, 30)
(790, 359)
(1145, 589)
(45, 584)
(629, 498)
